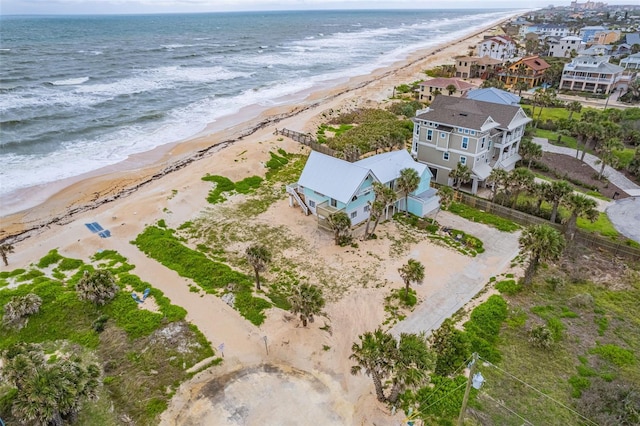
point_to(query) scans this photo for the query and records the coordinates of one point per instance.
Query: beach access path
(454, 293)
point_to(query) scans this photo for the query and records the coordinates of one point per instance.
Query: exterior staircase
(292, 190)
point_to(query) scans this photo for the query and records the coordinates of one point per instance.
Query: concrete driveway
(625, 216)
(464, 284)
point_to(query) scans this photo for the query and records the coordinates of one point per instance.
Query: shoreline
(92, 190)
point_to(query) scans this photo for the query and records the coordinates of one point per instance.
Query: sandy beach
(166, 184)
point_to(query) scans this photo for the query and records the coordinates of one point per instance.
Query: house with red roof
(448, 86)
(530, 70)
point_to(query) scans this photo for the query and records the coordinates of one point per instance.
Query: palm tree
(607, 155)
(556, 193)
(384, 197)
(593, 132)
(519, 180)
(580, 206)
(451, 89)
(413, 362)
(530, 151)
(408, 182)
(461, 174)
(18, 309)
(411, 272)
(340, 222)
(540, 243)
(375, 356)
(6, 249)
(446, 198)
(520, 86)
(540, 191)
(497, 178)
(307, 301)
(436, 93)
(573, 106)
(98, 286)
(258, 257)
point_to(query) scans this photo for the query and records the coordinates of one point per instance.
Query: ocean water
(81, 92)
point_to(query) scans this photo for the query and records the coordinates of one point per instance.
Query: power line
(511, 411)
(540, 392)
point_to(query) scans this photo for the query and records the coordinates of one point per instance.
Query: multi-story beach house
(590, 74)
(556, 30)
(606, 37)
(497, 47)
(588, 33)
(328, 185)
(472, 66)
(562, 48)
(428, 89)
(480, 135)
(530, 70)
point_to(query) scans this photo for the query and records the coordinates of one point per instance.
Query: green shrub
(480, 216)
(614, 354)
(68, 264)
(541, 337)
(484, 326)
(49, 259)
(509, 287)
(556, 327)
(162, 223)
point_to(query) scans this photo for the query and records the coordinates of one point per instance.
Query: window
(465, 142)
(482, 140)
(417, 129)
(429, 135)
(415, 147)
(460, 130)
(445, 156)
(334, 203)
(443, 135)
(473, 133)
(366, 208)
(466, 131)
(463, 160)
(312, 204)
(354, 214)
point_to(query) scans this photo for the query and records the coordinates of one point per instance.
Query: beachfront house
(587, 34)
(328, 185)
(564, 47)
(590, 74)
(472, 67)
(497, 47)
(448, 86)
(530, 70)
(556, 30)
(481, 135)
(631, 62)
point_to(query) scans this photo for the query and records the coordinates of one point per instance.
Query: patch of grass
(480, 216)
(14, 273)
(49, 259)
(223, 185)
(624, 157)
(578, 383)
(602, 226)
(508, 287)
(614, 354)
(484, 326)
(68, 264)
(602, 323)
(211, 276)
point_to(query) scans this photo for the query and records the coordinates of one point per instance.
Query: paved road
(462, 286)
(614, 176)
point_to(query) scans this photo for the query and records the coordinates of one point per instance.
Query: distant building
(606, 37)
(498, 47)
(563, 47)
(632, 38)
(631, 62)
(587, 34)
(597, 50)
(472, 67)
(590, 74)
(556, 30)
(480, 135)
(493, 95)
(428, 87)
(530, 69)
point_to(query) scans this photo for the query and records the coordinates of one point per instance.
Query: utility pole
(465, 400)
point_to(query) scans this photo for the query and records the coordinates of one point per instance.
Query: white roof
(482, 170)
(333, 177)
(386, 167)
(493, 95)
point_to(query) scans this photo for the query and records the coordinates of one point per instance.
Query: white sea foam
(70, 81)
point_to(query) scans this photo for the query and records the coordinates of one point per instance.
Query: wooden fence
(308, 140)
(585, 238)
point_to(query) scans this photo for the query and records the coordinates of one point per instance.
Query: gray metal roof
(386, 167)
(333, 177)
(469, 113)
(493, 95)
